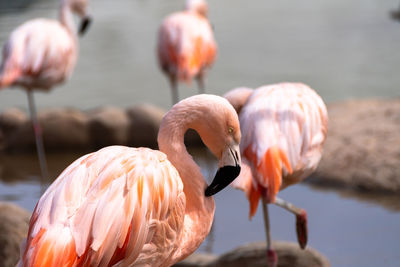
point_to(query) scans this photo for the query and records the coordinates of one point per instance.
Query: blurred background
(342, 49)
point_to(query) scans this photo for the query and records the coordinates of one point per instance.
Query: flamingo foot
(272, 258)
(301, 228)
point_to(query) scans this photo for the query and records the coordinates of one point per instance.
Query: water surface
(343, 49)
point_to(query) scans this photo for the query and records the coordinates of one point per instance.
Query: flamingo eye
(230, 129)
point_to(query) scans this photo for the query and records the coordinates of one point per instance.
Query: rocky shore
(255, 255)
(14, 223)
(75, 130)
(361, 155)
(69, 129)
(361, 152)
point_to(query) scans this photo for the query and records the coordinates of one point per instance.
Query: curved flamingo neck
(199, 211)
(66, 18)
(238, 97)
(171, 142)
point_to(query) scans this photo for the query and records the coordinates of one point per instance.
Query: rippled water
(343, 49)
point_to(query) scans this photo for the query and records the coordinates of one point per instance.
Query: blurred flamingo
(124, 206)
(40, 54)
(284, 127)
(186, 45)
(395, 13)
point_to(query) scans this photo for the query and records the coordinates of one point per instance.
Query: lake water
(343, 49)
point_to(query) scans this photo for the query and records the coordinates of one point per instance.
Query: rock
(74, 130)
(289, 254)
(108, 126)
(144, 124)
(362, 147)
(255, 254)
(10, 121)
(62, 128)
(14, 224)
(198, 260)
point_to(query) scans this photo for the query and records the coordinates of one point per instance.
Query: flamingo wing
(117, 206)
(186, 45)
(283, 129)
(38, 54)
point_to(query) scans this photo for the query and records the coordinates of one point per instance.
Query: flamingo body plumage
(284, 127)
(108, 206)
(42, 52)
(186, 45)
(39, 54)
(124, 206)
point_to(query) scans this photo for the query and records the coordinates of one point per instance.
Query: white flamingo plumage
(284, 127)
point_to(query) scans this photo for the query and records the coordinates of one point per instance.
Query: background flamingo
(284, 127)
(125, 206)
(40, 54)
(186, 45)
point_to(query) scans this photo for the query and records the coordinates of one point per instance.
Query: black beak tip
(222, 179)
(84, 25)
(208, 192)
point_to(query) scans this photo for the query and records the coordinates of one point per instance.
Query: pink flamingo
(124, 206)
(186, 45)
(284, 127)
(40, 54)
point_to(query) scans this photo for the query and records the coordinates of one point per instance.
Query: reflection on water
(390, 201)
(23, 168)
(20, 176)
(349, 231)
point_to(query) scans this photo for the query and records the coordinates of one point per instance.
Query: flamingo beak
(84, 25)
(228, 171)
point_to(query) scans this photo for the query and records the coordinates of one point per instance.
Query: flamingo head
(229, 161)
(217, 124)
(198, 6)
(80, 7)
(220, 132)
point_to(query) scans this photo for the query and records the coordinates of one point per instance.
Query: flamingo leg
(272, 258)
(174, 89)
(200, 82)
(38, 137)
(301, 220)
